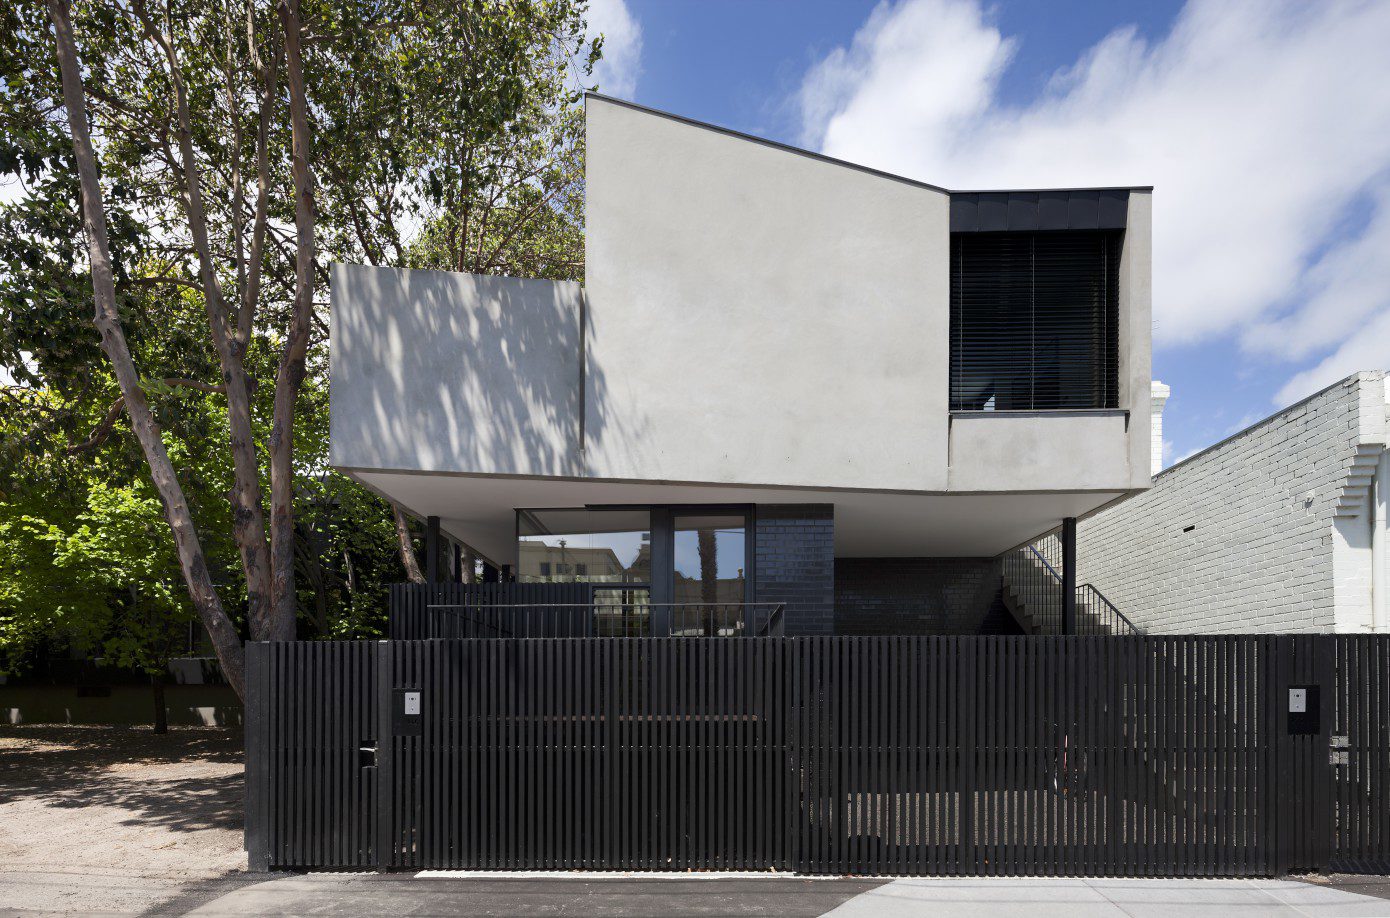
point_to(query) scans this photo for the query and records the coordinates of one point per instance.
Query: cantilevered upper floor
(762, 323)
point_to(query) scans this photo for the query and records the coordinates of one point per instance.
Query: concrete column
(432, 549)
(1069, 575)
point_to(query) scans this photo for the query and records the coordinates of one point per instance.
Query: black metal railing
(1099, 615)
(1033, 589)
(410, 615)
(605, 619)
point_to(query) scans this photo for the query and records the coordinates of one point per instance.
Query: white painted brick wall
(1264, 553)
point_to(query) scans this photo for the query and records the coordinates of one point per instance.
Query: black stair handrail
(1117, 620)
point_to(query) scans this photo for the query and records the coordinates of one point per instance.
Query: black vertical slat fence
(601, 754)
(1058, 756)
(887, 755)
(311, 731)
(1361, 812)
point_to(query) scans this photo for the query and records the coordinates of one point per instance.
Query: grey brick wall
(914, 595)
(794, 563)
(1243, 537)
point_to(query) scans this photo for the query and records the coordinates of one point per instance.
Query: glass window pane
(586, 546)
(709, 558)
(622, 613)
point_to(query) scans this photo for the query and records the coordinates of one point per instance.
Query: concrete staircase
(1032, 592)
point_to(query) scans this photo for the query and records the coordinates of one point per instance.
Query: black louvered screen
(1034, 320)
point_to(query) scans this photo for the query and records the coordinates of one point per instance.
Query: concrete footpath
(469, 895)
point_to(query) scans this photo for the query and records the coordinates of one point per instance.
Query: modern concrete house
(840, 393)
(1281, 527)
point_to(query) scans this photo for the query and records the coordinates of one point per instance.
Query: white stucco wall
(444, 372)
(1063, 451)
(751, 316)
(1156, 403)
(1281, 533)
(766, 317)
(760, 316)
(1136, 334)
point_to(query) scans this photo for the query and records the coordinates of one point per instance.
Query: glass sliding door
(710, 582)
(660, 570)
(610, 549)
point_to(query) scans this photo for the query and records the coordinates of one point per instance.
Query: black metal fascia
(1023, 211)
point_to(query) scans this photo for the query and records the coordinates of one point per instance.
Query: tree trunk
(709, 578)
(709, 566)
(224, 635)
(161, 709)
(248, 511)
(407, 546)
(290, 375)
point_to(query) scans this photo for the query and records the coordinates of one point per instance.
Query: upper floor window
(1035, 320)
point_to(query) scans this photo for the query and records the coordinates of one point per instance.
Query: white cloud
(1338, 291)
(617, 72)
(1367, 349)
(1260, 124)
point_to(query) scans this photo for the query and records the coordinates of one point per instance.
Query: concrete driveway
(404, 894)
(443, 894)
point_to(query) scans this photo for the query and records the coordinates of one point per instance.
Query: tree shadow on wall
(442, 371)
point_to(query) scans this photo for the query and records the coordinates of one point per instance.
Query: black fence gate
(1215, 756)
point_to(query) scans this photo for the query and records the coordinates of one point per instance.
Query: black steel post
(458, 564)
(663, 571)
(1069, 575)
(432, 549)
(259, 750)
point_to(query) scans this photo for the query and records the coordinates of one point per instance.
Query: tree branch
(106, 318)
(103, 430)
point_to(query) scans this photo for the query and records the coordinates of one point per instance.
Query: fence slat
(914, 756)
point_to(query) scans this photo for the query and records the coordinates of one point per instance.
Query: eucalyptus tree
(226, 151)
(463, 150)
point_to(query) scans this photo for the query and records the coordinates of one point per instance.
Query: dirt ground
(117, 820)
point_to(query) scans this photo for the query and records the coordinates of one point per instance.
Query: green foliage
(462, 148)
(444, 134)
(105, 580)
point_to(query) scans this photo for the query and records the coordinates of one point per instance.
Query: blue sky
(1264, 127)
